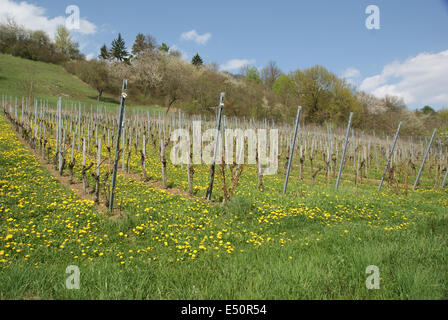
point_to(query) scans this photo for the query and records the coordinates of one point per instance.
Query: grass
(49, 81)
(313, 244)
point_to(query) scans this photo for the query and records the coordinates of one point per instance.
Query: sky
(406, 56)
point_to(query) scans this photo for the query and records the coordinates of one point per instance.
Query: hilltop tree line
(37, 45)
(158, 75)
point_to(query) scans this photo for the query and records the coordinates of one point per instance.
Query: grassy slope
(49, 82)
(321, 244)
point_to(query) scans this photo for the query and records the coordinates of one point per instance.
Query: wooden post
(293, 146)
(341, 167)
(117, 149)
(424, 160)
(390, 156)
(212, 169)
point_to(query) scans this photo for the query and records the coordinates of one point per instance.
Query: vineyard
(81, 144)
(159, 230)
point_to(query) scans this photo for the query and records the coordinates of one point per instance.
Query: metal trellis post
(424, 160)
(345, 150)
(390, 156)
(293, 145)
(212, 171)
(117, 149)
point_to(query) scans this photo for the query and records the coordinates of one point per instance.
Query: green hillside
(21, 77)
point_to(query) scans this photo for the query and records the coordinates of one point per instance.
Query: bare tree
(213, 66)
(270, 73)
(244, 69)
(175, 53)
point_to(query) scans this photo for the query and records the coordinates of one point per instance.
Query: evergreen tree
(104, 53)
(118, 49)
(164, 48)
(197, 60)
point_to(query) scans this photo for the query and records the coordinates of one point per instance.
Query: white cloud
(419, 80)
(235, 64)
(194, 36)
(351, 73)
(33, 17)
(86, 27)
(90, 56)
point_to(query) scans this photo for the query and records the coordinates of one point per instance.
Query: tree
(370, 103)
(40, 48)
(63, 40)
(252, 75)
(270, 73)
(342, 102)
(64, 44)
(197, 60)
(213, 66)
(164, 48)
(118, 49)
(40, 38)
(176, 78)
(104, 53)
(427, 110)
(206, 85)
(96, 74)
(139, 44)
(76, 53)
(143, 44)
(284, 88)
(145, 72)
(243, 70)
(28, 44)
(394, 103)
(175, 53)
(314, 90)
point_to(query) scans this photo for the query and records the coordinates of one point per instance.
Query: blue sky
(407, 51)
